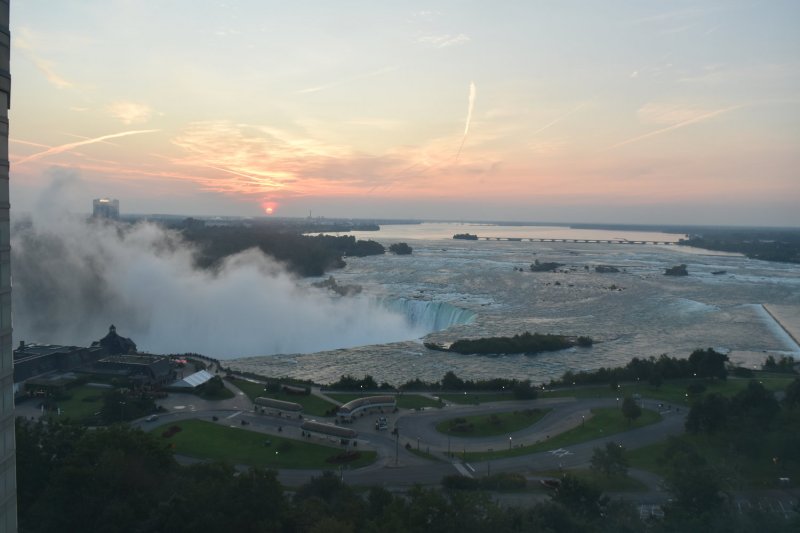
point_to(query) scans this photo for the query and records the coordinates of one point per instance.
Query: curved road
(396, 466)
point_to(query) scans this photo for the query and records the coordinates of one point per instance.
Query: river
(637, 312)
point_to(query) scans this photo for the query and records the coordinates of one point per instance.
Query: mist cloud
(73, 278)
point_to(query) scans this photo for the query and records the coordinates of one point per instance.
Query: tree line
(706, 363)
(121, 480)
(302, 254)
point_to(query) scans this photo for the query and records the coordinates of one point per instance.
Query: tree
(400, 248)
(524, 391)
(695, 486)
(580, 497)
(630, 409)
(709, 414)
(755, 405)
(792, 397)
(452, 382)
(610, 460)
(708, 363)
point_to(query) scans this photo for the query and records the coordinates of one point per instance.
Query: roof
(329, 429)
(193, 380)
(367, 401)
(278, 404)
(34, 350)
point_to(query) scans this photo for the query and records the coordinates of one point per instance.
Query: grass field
(206, 440)
(312, 405)
(476, 398)
(673, 391)
(604, 422)
(491, 425)
(83, 402)
(404, 401)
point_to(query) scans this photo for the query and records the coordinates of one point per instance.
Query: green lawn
(490, 425)
(476, 398)
(206, 440)
(404, 401)
(312, 405)
(673, 391)
(604, 422)
(83, 402)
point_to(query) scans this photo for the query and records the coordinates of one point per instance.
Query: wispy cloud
(129, 112)
(470, 108)
(665, 113)
(69, 146)
(443, 40)
(694, 120)
(24, 41)
(378, 72)
(559, 119)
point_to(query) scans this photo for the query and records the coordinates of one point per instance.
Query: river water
(638, 312)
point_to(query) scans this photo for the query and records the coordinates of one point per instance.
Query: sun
(269, 207)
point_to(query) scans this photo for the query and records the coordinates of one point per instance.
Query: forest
(302, 254)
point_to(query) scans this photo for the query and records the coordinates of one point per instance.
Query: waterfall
(428, 315)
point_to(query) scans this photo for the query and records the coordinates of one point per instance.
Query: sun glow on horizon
(360, 122)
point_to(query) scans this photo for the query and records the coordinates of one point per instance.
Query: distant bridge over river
(594, 241)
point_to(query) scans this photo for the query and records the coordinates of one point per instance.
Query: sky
(614, 111)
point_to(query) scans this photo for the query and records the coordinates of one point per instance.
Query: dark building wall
(8, 468)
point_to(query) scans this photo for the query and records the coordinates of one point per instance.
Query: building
(105, 208)
(139, 369)
(115, 344)
(366, 404)
(46, 361)
(8, 467)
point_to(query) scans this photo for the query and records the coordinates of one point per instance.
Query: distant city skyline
(615, 112)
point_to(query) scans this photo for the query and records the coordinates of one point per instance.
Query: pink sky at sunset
(626, 111)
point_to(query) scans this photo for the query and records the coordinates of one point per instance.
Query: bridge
(592, 241)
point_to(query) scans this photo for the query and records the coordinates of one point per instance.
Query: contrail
(470, 107)
(559, 119)
(700, 118)
(70, 146)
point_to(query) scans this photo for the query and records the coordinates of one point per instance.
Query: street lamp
(396, 444)
(617, 402)
(583, 421)
(509, 443)
(121, 407)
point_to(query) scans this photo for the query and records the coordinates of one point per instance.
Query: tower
(8, 467)
(105, 208)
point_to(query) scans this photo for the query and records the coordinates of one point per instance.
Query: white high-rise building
(105, 208)
(8, 467)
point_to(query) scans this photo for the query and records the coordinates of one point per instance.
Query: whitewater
(454, 289)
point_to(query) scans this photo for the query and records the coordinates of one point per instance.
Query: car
(151, 418)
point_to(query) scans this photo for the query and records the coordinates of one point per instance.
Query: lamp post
(121, 408)
(509, 443)
(583, 420)
(617, 402)
(396, 444)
